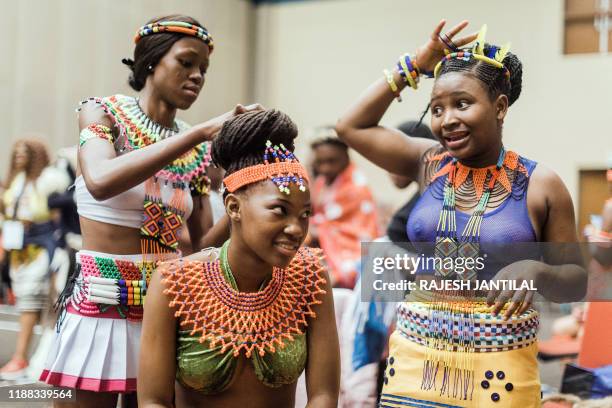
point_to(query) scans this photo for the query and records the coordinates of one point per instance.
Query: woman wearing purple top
(473, 192)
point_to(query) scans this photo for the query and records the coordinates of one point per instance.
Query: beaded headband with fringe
(494, 56)
(284, 169)
(175, 27)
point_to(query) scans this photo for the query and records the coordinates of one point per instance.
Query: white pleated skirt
(94, 354)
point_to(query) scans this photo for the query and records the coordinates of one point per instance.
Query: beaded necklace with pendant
(448, 245)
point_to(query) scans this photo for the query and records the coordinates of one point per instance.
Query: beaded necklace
(448, 245)
(208, 301)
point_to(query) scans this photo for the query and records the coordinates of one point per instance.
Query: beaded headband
(494, 56)
(284, 169)
(175, 27)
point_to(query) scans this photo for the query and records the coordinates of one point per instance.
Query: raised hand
(430, 53)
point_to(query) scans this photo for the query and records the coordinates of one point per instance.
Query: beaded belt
(466, 327)
(106, 282)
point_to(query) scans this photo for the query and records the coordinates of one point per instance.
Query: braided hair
(151, 49)
(242, 140)
(494, 79)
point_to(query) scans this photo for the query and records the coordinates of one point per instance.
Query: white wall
(56, 52)
(315, 57)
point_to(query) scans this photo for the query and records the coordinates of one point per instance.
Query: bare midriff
(110, 239)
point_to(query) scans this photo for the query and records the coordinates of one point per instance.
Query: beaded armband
(96, 131)
(408, 70)
(284, 169)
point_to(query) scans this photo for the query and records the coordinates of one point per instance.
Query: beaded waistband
(104, 283)
(475, 331)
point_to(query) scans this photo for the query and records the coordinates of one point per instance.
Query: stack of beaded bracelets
(408, 70)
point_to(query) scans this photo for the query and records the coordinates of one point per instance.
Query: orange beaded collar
(479, 175)
(259, 321)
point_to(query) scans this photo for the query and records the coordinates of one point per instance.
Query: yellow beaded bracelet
(394, 89)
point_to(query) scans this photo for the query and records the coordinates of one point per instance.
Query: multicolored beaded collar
(283, 170)
(175, 27)
(208, 301)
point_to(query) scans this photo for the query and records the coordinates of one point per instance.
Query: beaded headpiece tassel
(280, 165)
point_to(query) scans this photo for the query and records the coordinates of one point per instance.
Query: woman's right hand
(430, 53)
(211, 127)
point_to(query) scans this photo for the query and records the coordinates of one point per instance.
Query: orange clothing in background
(344, 216)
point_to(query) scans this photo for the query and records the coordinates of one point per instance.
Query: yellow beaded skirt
(452, 354)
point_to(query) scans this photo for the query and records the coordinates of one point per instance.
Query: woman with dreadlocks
(473, 192)
(236, 326)
(141, 175)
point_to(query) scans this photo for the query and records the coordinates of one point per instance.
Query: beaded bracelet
(394, 89)
(408, 71)
(95, 131)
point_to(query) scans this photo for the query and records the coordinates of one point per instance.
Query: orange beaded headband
(284, 170)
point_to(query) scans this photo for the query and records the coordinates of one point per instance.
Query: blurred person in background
(366, 322)
(30, 239)
(69, 232)
(344, 209)
(141, 176)
(396, 230)
(216, 174)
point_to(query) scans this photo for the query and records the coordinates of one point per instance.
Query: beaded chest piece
(207, 301)
(483, 180)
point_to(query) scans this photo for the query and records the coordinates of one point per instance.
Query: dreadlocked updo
(242, 139)
(494, 78)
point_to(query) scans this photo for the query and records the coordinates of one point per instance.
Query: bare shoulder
(547, 181)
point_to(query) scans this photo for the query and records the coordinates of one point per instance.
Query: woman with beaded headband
(473, 192)
(141, 174)
(235, 326)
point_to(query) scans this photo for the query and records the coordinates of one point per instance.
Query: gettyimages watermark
(560, 272)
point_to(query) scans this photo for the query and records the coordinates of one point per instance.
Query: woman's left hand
(520, 300)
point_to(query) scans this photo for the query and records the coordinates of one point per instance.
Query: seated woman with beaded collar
(247, 318)
(473, 192)
(141, 174)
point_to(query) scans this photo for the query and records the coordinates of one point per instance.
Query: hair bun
(242, 139)
(514, 65)
(128, 61)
